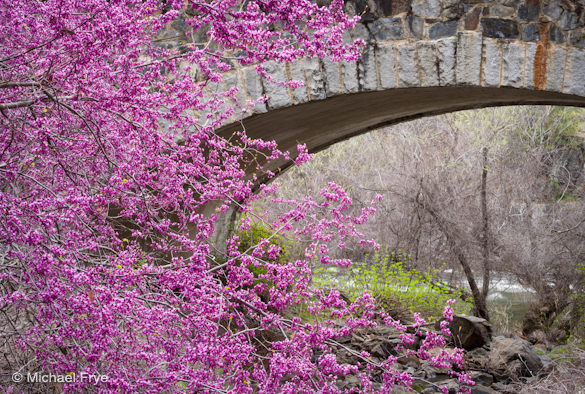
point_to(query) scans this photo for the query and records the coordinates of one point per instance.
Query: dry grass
(567, 374)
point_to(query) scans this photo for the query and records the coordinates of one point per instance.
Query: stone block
(556, 68)
(386, 67)
(469, 46)
(568, 20)
(368, 76)
(446, 48)
(577, 38)
(332, 78)
(556, 34)
(574, 82)
(231, 80)
(506, 29)
(254, 89)
(426, 8)
(443, 29)
(415, 26)
(314, 79)
(552, 9)
(277, 94)
(387, 29)
(530, 32)
(361, 32)
(492, 62)
(349, 76)
(501, 11)
(407, 65)
(427, 57)
(529, 76)
(297, 73)
(513, 64)
(472, 18)
(529, 11)
(452, 9)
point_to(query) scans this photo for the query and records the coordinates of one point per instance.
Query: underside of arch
(319, 124)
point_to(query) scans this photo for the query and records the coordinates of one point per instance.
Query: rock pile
(496, 364)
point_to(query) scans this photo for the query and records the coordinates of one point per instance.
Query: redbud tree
(109, 163)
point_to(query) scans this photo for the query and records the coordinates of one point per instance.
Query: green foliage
(257, 233)
(568, 350)
(568, 124)
(397, 286)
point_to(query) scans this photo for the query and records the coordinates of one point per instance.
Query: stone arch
(422, 57)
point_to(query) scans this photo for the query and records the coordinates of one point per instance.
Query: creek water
(506, 294)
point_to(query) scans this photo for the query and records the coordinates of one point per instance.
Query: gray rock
(470, 332)
(387, 29)
(350, 76)
(426, 8)
(230, 80)
(361, 31)
(332, 78)
(506, 29)
(298, 74)
(407, 67)
(446, 55)
(254, 89)
(482, 378)
(493, 63)
(556, 34)
(452, 385)
(577, 38)
(386, 67)
(552, 9)
(574, 82)
(501, 11)
(556, 68)
(530, 55)
(529, 11)
(443, 29)
(477, 359)
(530, 32)
(427, 55)
(277, 94)
(513, 357)
(568, 20)
(468, 58)
(452, 9)
(481, 389)
(415, 26)
(368, 77)
(513, 67)
(314, 81)
(501, 387)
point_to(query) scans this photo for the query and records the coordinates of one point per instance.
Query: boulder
(477, 359)
(482, 378)
(513, 358)
(469, 332)
(480, 389)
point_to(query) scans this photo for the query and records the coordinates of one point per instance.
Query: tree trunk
(479, 301)
(485, 230)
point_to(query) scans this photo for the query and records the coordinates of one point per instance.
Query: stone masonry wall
(526, 44)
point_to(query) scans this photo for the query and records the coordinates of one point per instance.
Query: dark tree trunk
(486, 228)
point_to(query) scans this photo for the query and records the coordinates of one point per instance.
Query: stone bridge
(423, 57)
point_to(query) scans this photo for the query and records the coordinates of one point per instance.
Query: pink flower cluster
(110, 164)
